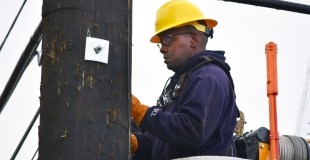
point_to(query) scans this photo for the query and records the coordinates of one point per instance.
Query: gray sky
(243, 31)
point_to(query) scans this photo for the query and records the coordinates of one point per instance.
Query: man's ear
(195, 39)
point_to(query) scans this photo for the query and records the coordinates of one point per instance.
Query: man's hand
(133, 143)
(138, 110)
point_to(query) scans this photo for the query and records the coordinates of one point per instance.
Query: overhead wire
(7, 35)
(22, 64)
(35, 153)
(277, 4)
(34, 119)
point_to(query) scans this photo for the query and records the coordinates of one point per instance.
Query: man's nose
(163, 49)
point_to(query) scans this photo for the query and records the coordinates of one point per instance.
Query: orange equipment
(272, 92)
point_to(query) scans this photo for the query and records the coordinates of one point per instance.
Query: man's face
(176, 47)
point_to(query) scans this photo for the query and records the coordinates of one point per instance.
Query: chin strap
(208, 32)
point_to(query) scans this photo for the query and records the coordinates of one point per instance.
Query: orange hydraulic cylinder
(272, 92)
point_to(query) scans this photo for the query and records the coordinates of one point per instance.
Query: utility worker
(196, 113)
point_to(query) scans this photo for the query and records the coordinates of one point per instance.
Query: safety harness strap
(179, 89)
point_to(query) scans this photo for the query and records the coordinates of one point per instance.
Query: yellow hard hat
(176, 13)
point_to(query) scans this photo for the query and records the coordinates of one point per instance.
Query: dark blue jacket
(199, 122)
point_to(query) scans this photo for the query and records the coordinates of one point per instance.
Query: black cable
(22, 64)
(12, 24)
(35, 153)
(277, 4)
(25, 134)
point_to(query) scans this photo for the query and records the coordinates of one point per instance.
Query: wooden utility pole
(85, 104)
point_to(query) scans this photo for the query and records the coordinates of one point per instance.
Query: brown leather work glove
(133, 143)
(138, 110)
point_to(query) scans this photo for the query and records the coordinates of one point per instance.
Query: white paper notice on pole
(97, 49)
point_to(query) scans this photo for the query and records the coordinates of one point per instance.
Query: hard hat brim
(211, 23)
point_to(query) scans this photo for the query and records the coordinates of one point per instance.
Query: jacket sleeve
(200, 111)
(144, 150)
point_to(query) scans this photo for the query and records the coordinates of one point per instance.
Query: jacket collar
(219, 55)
